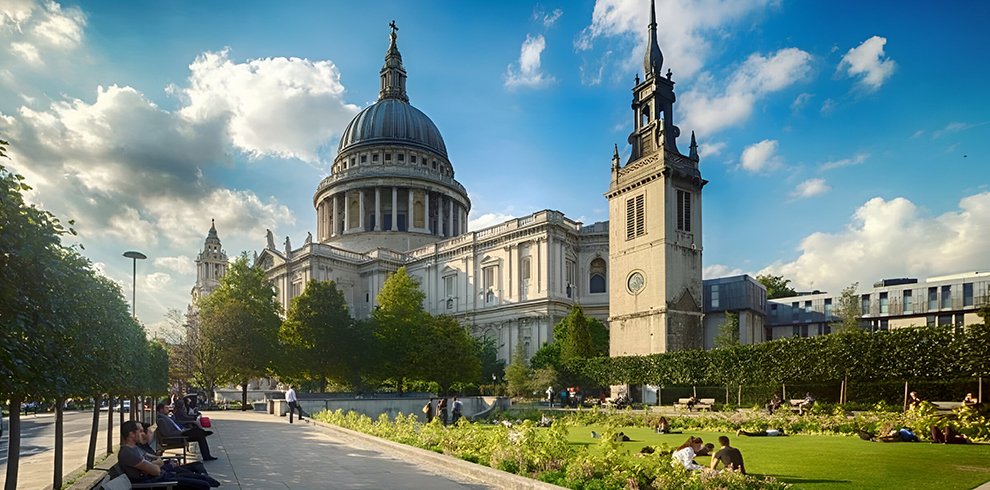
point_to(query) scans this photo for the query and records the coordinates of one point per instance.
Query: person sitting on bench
(169, 429)
(132, 462)
(970, 400)
(196, 469)
(774, 404)
(806, 403)
(691, 402)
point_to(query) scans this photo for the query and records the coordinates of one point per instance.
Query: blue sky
(843, 141)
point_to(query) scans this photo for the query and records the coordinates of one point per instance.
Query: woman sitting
(685, 453)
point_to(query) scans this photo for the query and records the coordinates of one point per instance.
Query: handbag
(205, 423)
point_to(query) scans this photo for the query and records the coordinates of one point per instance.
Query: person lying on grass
(762, 433)
(893, 435)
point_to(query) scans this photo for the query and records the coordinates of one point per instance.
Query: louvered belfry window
(635, 216)
(683, 210)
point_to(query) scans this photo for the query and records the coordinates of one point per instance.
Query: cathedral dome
(392, 121)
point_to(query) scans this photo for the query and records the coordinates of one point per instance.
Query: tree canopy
(777, 286)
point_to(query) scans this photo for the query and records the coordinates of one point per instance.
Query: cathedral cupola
(393, 74)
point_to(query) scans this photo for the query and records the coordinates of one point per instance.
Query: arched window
(597, 276)
(645, 119)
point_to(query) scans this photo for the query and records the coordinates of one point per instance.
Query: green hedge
(927, 353)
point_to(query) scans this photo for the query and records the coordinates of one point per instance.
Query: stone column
(378, 209)
(395, 209)
(409, 210)
(426, 211)
(333, 214)
(450, 218)
(320, 217)
(360, 225)
(440, 216)
(347, 215)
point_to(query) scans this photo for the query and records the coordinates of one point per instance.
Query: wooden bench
(946, 407)
(795, 404)
(115, 479)
(702, 404)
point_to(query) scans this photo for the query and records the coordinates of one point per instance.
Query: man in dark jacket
(169, 429)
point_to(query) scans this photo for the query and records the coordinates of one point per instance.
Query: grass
(824, 461)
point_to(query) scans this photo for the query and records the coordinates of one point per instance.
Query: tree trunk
(94, 431)
(244, 396)
(109, 424)
(59, 442)
(13, 443)
(121, 410)
(323, 384)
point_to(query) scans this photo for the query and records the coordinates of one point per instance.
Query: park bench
(795, 403)
(177, 445)
(115, 479)
(703, 403)
(946, 407)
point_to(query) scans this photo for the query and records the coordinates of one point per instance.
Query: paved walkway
(266, 452)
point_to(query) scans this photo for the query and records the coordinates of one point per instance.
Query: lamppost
(134, 256)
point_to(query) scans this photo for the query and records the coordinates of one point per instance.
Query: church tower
(211, 265)
(655, 225)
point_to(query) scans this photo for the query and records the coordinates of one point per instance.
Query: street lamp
(134, 256)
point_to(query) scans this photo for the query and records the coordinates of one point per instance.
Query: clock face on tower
(635, 282)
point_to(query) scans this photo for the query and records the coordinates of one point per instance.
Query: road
(38, 444)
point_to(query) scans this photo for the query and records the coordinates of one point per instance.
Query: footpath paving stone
(265, 452)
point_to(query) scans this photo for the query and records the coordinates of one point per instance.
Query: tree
(491, 366)
(318, 333)
(728, 332)
(777, 286)
(849, 310)
(454, 354)
(402, 330)
(517, 374)
(580, 336)
(984, 313)
(240, 320)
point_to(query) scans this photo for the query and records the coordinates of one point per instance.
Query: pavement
(257, 450)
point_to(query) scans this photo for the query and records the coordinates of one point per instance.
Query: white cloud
(827, 107)
(528, 73)
(719, 270)
(283, 107)
(710, 107)
(27, 51)
(711, 149)
(800, 101)
(550, 19)
(919, 133)
(16, 12)
(856, 159)
(157, 281)
(60, 28)
(686, 29)
(488, 219)
(955, 127)
(760, 157)
(893, 238)
(179, 264)
(810, 188)
(867, 62)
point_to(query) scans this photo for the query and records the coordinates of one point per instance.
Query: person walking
(455, 412)
(290, 397)
(550, 396)
(442, 410)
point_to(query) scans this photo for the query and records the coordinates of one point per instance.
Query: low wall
(374, 407)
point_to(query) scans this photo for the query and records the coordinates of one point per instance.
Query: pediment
(685, 303)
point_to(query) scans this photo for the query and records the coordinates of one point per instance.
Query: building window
(944, 320)
(364, 158)
(714, 295)
(683, 210)
(932, 298)
(412, 158)
(374, 157)
(434, 164)
(569, 288)
(525, 269)
(828, 308)
(598, 276)
(635, 216)
(402, 157)
(883, 303)
(488, 282)
(968, 294)
(773, 310)
(296, 289)
(946, 297)
(388, 157)
(906, 302)
(930, 320)
(448, 285)
(884, 324)
(865, 310)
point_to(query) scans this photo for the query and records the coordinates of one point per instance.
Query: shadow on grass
(797, 480)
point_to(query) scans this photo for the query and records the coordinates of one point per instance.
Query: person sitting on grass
(707, 450)
(729, 456)
(685, 453)
(762, 433)
(663, 427)
(948, 435)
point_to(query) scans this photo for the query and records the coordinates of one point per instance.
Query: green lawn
(815, 462)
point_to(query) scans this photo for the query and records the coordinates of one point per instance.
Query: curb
(446, 464)
(83, 479)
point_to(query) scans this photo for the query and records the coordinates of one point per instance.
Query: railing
(360, 172)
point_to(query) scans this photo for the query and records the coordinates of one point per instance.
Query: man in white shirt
(550, 396)
(290, 397)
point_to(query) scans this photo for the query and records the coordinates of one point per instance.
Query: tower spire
(393, 74)
(653, 60)
(694, 148)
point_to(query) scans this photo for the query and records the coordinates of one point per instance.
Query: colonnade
(387, 209)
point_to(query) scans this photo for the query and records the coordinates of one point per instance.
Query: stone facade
(655, 236)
